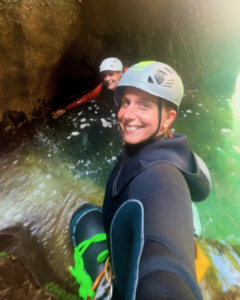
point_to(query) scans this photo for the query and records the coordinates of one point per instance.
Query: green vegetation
(2, 254)
(60, 292)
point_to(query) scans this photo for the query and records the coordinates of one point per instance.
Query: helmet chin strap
(118, 76)
(163, 135)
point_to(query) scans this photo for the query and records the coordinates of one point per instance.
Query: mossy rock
(60, 292)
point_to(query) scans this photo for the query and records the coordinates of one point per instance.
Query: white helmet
(155, 78)
(111, 64)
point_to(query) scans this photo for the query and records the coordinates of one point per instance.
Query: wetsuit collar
(134, 159)
(133, 149)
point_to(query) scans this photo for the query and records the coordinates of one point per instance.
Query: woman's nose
(107, 78)
(129, 113)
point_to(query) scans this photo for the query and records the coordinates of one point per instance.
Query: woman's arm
(168, 230)
(164, 285)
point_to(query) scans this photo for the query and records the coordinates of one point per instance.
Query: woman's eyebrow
(140, 99)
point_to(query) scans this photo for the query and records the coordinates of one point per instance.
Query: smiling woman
(138, 116)
(147, 209)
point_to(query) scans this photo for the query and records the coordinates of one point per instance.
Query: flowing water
(42, 183)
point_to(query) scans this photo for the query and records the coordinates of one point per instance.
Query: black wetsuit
(107, 96)
(164, 175)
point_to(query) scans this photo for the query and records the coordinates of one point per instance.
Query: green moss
(60, 292)
(236, 248)
(2, 254)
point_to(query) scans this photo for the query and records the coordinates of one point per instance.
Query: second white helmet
(111, 64)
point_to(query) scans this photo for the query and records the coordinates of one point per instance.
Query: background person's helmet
(111, 64)
(155, 78)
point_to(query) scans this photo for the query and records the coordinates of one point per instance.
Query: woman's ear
(169, 118)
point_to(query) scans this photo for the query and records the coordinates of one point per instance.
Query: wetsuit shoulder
(159, 180)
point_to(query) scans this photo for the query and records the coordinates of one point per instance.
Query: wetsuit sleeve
(202, 190)
(94, 95)
(168, 230)
(163, 285)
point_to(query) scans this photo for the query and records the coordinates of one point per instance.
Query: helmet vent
(169, 83)
(161, 72)
(168, 70)
(159, 76)
(150, 79)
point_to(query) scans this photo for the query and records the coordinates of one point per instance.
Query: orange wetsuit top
(94, 95)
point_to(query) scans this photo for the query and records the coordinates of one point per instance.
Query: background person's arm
(94, 95)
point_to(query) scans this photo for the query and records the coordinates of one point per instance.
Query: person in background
(111, 70)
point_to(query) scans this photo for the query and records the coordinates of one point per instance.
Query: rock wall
(34, 37)
(196, 37)
(43, 41)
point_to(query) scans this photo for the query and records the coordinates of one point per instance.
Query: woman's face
(138, 116)
(111, 78)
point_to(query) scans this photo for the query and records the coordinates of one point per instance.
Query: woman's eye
(125, 103)
(145, 105)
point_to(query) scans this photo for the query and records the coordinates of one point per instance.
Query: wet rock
(12, 119)
(15, 129)
(19, 242)
(8, 128)
(222, 279)
(18, 283)
(34, 37)
(6, 122)
(17, 117)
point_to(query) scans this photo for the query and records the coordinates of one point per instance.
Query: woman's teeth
(131, 128)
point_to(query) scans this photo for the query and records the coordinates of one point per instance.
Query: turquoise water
(211, 122)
